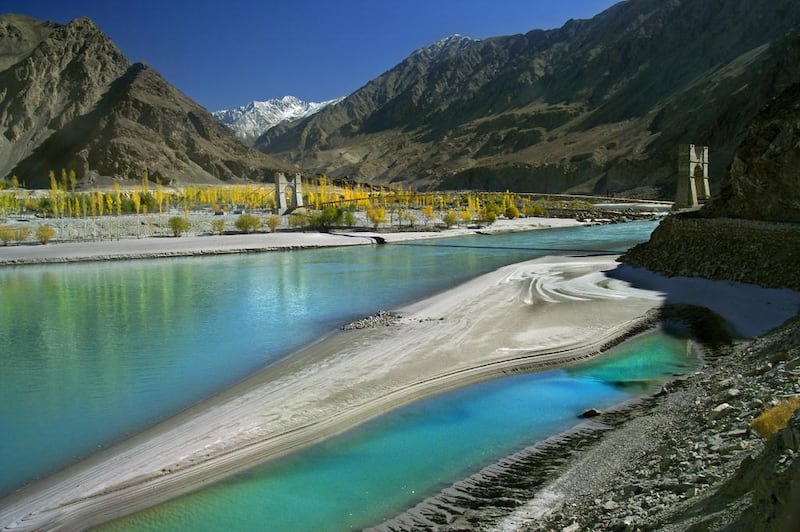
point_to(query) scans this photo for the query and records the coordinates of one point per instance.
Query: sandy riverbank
(534, 314)
(525, 316)
(162, 246)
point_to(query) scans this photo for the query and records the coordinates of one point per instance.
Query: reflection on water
(94, 352)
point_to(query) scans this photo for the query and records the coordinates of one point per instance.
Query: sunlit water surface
(94, 352)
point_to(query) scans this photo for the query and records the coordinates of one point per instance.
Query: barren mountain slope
(595, 106)
(71, 100)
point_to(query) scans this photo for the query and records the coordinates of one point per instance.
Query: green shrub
(218, 225)
(298, 220)
(247, 223)
(179, 225)
(45, 233)
(535, 209)
(21, 233)
(7, 234)
(450, 219)
(327, 218)
(273, 222)
(490, 212)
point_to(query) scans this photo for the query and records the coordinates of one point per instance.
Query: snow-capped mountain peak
(249, 121)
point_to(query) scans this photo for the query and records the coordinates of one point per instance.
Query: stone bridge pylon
(288, 192)
(693, 187)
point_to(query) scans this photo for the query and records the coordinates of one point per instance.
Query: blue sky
(225, 53)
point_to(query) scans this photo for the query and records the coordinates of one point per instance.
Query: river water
(95, 352)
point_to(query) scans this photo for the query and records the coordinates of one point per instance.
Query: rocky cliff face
(70, 99)
(595, 106)
(763, 182)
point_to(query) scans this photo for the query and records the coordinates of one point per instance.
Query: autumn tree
(376, 215)
(450, 219)
(511, 212)
(118, 198)
(428, 213)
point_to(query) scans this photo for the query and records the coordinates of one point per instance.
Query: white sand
(530, 315)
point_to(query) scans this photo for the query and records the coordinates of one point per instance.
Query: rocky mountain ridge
(70, 99)
(252, 120)
(595, 106)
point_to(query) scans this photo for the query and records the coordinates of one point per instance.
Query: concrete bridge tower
(288, 192)
(693, 187)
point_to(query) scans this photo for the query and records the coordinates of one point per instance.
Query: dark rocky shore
(690, 459)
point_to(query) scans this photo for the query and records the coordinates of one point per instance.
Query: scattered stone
(609, 506)
(760, 370)
(732, 393)
(382, 318)
(720, 410)
(725, 383)
(780, 356)
(792, 364)
(590, 413)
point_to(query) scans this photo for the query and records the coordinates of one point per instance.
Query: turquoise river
(95, 352)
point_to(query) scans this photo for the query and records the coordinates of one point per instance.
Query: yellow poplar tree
(53, 193)
(160, 197)
(117, 198)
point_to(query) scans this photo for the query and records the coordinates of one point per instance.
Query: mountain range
(596, 106)
(251, 121)
(70, 99)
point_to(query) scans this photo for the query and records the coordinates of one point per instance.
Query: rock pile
(382, 318)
